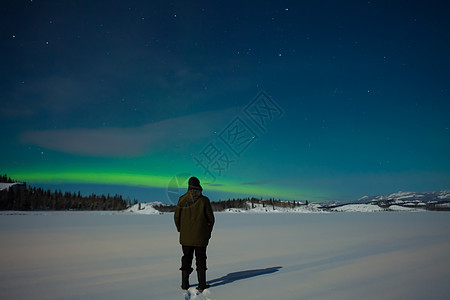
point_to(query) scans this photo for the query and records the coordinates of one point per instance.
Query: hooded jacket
(194, 219)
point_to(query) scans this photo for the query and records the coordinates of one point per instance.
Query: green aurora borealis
(123, 96)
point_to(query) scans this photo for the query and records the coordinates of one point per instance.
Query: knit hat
(194, 184)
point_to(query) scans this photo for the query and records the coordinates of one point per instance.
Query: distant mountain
(407, 198)
(400, 201)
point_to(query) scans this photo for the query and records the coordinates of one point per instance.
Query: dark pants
(188, 254)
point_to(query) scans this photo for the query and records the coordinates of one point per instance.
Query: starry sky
(304, 100)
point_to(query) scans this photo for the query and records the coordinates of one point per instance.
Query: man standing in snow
(194, 219)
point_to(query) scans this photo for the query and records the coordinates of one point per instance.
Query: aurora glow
(121, 96)
(137, 180)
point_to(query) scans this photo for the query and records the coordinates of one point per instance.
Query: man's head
(194, 184)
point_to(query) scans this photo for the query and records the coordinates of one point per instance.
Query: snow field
(77, 255)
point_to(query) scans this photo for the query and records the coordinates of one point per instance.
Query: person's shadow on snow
(231, 277)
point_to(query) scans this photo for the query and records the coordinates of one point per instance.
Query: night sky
(305, 100)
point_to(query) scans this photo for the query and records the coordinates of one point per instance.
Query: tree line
(23, 197)
(5, 179)
(240, 203)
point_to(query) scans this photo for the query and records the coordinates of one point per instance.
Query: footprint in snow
(193, 294)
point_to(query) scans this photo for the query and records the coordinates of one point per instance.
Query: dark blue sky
(132, 93)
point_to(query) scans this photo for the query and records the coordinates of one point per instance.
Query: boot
(185, 279)
(201, 275)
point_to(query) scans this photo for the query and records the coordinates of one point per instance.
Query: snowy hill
(144, 208)
(260, 208)
(439, 200)
(7, 186)
(407, 197)
(371, 207)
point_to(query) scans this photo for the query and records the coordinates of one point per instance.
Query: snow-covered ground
(259, 208)
(144, 208)
(358, 208)
(6, 186)
(147, 208)
(110, 255)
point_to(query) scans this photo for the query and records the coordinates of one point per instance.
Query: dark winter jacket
(194, 219)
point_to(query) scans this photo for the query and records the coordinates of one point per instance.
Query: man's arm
(177, 216)
(209, 214)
